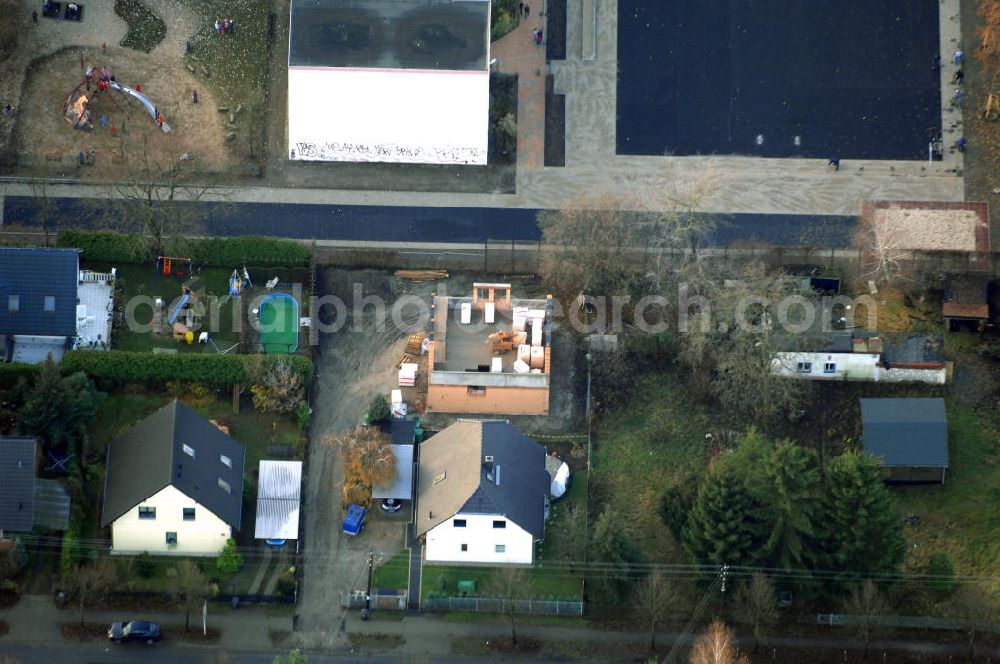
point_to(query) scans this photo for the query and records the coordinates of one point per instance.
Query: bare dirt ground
(196, 128)
(982, 157)
(354, 364)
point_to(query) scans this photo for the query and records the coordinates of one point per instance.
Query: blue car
(134, 630)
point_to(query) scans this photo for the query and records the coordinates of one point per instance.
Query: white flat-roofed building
(389, 81)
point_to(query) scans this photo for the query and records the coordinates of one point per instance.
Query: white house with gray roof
(481, 494)
(174, 485)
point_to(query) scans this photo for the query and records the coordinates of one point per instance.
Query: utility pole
(371, 570)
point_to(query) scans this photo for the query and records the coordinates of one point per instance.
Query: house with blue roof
(48, 305)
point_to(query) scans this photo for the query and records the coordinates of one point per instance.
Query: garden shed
(909, 435)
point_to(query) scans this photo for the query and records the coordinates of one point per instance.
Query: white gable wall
(388, 115)
(444, 541)
(205, 536)
(852, 366)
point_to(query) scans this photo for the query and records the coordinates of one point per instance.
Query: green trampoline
(279, 324)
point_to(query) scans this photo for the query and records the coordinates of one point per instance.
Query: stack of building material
(466, 316)
(414, 343)
(524, 353)
(520, 338)
(396, 397)
(497, 365)
(536, 332)
(521, 367)
(408, 374)
(490, 313)
(537, 357)
(520, 318)
(501, 342)
(418, 276)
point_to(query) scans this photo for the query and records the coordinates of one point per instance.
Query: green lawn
(565, 531)
(394, 572)
(657, 440)
(961, 516)
(546, 583)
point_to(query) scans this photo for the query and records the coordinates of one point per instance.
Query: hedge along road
(399, 224)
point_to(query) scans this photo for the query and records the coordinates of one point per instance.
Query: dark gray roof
(32, 274)
(912, 348)
(150, 456)
(814, 342)
(403, 432)
(519, 484)
(390, 34)
(906, 432)
(17, 484)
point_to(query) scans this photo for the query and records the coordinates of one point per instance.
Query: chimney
(488, 466)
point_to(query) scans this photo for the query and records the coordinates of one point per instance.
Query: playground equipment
(190, 292)
(237, 282)
(165, 264)
(77, 109)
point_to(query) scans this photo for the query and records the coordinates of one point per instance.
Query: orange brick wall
(498, 400)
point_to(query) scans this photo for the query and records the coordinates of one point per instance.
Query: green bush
(106, 247)
(131, 248)
(70, 551)
(285, 587)
(303, 415)
(378, 410)
(230, 560)
(145, 565)
(11, 373)
(157, 368)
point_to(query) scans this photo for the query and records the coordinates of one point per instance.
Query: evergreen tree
(861, 533)
(723, 526)
(789, 487)
(58, 410)
(611, 555)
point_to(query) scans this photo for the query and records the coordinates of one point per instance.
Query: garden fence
(546, 607)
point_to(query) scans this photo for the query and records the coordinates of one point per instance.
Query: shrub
(145, 566)
(276, 385)
(378, 410)
(230, 560)
(131, 248)
(155, 368)
(106, 247)
(285, 587)
(11, 373)
(70, 552)
(303, 415)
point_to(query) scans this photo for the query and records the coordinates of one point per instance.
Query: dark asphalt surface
(421, 224)
(852, 78)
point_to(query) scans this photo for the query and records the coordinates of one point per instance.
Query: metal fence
(380, 601)
(906, 622)
(541, 607)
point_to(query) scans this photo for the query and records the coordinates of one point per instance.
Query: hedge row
(131, 248)
(146, 368)
(13, 372)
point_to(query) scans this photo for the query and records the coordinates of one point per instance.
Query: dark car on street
(134, 630)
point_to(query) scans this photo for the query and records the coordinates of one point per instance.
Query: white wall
(388, 115)
(205, 536)
(849, 366)
(853, 366)
(444, 541)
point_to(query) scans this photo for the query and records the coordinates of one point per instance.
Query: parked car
(134, 630)
(391, 505)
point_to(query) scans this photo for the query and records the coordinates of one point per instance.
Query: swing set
(165, 266)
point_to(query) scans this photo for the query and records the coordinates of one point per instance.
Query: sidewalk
(35, 618)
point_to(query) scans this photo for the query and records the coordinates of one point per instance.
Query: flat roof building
(389, 81)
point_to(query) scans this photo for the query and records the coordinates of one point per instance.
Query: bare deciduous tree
(758, 604)
(868, 606)
(512, 585)
(90, 579)
(369, 460)
(883, 251)
(190, 587)
(717, 646)
(653, 600)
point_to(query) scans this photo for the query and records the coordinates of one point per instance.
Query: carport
(279, 495)
(402, 487)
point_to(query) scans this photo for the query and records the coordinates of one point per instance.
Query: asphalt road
(380, 223)
(103, 653)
